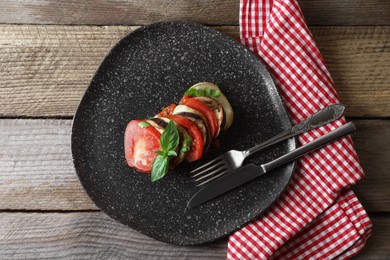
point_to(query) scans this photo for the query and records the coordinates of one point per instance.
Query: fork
(234, 159)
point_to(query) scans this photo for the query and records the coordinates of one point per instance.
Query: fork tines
(215, 168)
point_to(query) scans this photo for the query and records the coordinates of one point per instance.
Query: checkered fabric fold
(318, 216)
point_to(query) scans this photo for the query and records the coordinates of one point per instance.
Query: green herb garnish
(159, 167)
(206, 92)
(143, 124)
(186, 143)
(169, 140)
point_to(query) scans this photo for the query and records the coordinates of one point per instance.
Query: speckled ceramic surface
(147, 70)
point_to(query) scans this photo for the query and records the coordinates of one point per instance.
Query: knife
(249, 172)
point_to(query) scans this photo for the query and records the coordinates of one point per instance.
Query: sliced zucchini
(221, 99)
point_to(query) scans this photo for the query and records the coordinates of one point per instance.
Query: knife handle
(320, 118)
(314, 145)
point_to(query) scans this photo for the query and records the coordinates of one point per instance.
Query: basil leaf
(143, 124)
(186, 143)
(162, 153)
(192, 92)
(212, 92)
(171, 153)
(159, 167)
(206, 92)
(169, 139)
(185, 149)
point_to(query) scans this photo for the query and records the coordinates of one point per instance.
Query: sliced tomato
(195, 152)
(184, 98)
(140, 145)
(204, 109)
(167, 110)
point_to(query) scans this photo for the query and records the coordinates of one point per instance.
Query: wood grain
(359, 61)
(93, 235)
(90, 235)
(36, 167)
(372, 141)
(46, 69)
(43, 67)
(346, 12)
(37, 171)
(215, 12)
(378, 245)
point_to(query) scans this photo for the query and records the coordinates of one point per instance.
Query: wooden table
(49, 51)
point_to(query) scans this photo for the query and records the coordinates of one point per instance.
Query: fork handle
(318, 143)
(320, 118)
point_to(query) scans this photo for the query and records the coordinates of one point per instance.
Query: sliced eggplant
(198, 118)
(221, 99)
(162, 123)
(216, 107)
(159, 127)
(182, 153)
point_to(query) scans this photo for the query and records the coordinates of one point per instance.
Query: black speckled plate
(147, 70)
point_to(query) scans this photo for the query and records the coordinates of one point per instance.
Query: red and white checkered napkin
(318, 216)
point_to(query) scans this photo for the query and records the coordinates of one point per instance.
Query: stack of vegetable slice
(179, 132)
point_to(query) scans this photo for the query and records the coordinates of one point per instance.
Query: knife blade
(246, 173)
(224, 184)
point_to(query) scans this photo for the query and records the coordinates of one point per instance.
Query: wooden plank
(372, 141)
(43, 67)
(358, 60)
(46, 69)
(347, 12)
(37, 171)
(216, 12)
(93, 235)
(36, 167)
(378, 245)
